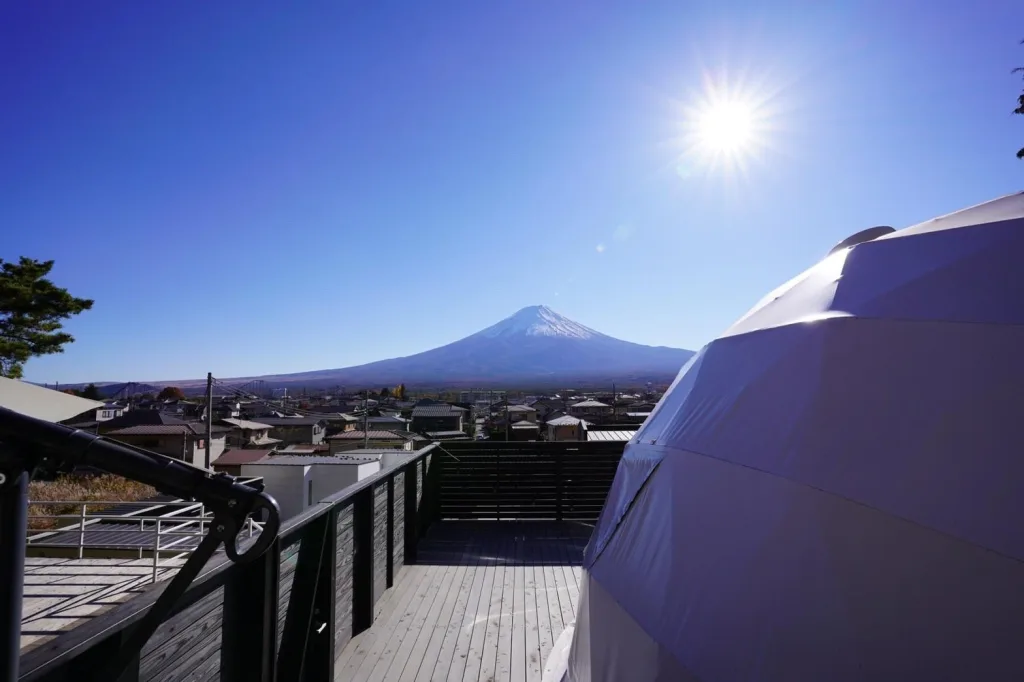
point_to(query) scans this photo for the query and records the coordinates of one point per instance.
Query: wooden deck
(485, 602)
(61, 594)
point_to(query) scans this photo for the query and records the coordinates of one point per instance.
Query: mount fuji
(535, 346)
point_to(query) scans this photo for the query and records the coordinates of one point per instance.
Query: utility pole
(506, 416)
(209, 415)
(366, 418)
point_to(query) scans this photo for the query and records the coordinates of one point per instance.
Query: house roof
(525, 425)
(591, 403)
(446, 435)
(290, 421)
(305, 460)
(565, 420)
(615, 436)
(230, 457)
(154, 430)
(521, 408)
(142, 418)
(42, 403)
(437, 410)
(387, 420)
(372, 435)
(246, 424)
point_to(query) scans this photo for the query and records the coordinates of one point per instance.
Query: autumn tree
(32, 311)
(170, 393)
(399, 392)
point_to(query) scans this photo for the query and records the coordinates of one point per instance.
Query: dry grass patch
(80, 488)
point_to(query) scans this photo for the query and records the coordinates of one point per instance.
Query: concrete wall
(288, 484)
(330, 478)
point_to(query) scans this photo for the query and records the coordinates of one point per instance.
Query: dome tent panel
(848, 509)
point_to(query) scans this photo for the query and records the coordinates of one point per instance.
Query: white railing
(161, 535)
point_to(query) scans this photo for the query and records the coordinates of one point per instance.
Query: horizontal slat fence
(524, 480)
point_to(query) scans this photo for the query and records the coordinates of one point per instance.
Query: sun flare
(726, 127)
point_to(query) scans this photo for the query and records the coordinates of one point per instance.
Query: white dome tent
(834, 488)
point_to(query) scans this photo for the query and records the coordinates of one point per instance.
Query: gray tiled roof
(372, 435)
(299, 460)
(290, 421)
(437, 410)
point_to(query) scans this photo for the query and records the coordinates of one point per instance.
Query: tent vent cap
(862, 236)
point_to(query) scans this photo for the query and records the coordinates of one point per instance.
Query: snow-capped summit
(538, 320)
(535, 346)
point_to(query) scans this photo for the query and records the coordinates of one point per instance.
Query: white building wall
(288, 484)
(330, 478)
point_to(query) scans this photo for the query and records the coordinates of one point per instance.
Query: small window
(309, 493)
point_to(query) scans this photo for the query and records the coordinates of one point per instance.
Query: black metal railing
(284, 616)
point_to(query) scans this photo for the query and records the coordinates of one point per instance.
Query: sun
(726, 126)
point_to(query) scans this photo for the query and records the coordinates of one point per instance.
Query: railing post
(411, 514)
(249, 634)
(362, 560)
(156, 550)
(81, 533)
(307, 643)
(559, 482)
(497, 483)
(390, 561)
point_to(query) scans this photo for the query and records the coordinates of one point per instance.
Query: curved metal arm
(231, 502)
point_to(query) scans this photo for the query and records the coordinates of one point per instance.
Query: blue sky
(252, 188)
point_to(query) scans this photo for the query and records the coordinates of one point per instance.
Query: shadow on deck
(484, 602)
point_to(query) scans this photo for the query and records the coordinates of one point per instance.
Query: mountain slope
(534, 345)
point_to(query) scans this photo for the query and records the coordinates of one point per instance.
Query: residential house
(232, 460)
(518, 413)
(565, 428)
(298, 482)
(435, 417)
(545, 406)
(182, 440)
(248, 434)
(353, 440)
(381, 423)
(525, 430)
(590, 408)
(296, 429)
(109, 411)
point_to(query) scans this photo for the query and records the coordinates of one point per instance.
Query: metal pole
(81, 533)
(13, 525)
(209, 416)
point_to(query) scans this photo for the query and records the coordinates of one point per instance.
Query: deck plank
(489, 652)
(448, 665)
(477, 621)
(532, 624)
(379, 636)
(427, 648)
(409, 579)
